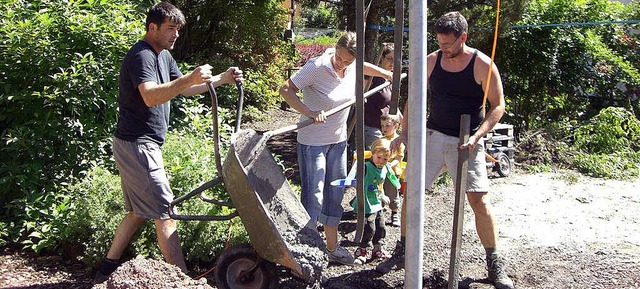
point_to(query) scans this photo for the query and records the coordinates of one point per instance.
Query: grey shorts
(144, 181)
(442, 153)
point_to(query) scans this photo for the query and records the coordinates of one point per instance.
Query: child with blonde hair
(389, 126)
(377, 170)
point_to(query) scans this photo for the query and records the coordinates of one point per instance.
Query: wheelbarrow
(271, 213)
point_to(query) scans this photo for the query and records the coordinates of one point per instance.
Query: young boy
(377, 170)
(389, 127)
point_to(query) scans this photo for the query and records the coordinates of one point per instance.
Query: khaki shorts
(144, 181)
(442, 153)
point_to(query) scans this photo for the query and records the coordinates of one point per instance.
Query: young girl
(377, 170)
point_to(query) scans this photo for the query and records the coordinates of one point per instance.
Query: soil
(557, 229)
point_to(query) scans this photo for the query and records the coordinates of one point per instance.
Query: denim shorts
(442, 153)
(319, 165)
(143, 179)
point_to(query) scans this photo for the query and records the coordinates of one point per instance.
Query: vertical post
(417, 143)
(360, 118)
(398, 33)
(458, 209)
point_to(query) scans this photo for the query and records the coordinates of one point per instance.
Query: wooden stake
(458, 210)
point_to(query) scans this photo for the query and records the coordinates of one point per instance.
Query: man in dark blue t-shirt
(149, 79)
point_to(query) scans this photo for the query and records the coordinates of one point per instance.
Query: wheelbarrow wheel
(233, 266)
(503, 165)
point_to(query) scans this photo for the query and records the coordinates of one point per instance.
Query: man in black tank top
(458, 78)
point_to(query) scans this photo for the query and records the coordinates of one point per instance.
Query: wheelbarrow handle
(200, 190)
(308, 121)
(239, 105)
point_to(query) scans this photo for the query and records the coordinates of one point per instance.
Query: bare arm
(289, 91)
(373, 70)
(189, 84)
(231, 75)
(495, 97)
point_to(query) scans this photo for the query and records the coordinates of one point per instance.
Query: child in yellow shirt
(389, 127)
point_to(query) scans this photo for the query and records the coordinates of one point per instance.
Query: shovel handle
(308, 121)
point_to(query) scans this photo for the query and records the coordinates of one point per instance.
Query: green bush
(59, 67)
(248, 34)
(604, 146)
(614, 129)
(567, 72)
(613, 165)
(320, 15)
(189, 162)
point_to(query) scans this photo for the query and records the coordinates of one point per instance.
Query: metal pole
(398, 34)
(417, 120)
(360, 118)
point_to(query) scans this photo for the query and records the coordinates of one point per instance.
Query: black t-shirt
(377, 103)
(452, 95)
(136, 121)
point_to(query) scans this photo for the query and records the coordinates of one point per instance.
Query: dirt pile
(148, 273)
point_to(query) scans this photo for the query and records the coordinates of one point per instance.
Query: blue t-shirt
(136, 121)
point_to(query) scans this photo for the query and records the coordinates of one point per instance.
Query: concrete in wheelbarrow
(273, 216)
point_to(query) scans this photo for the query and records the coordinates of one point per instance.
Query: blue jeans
(319, 165)
(370, 135)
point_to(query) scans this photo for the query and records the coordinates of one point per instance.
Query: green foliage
(59, 66)
(614, 129)
(323, 40)
(555, 73)
(320, 15)
(189, 162)
(4, 234)
(242, 33)
(614, 165)
(604, 146)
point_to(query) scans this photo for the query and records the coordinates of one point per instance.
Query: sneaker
(396, 260)
(380, 254)
(340, 255)
(497, 275)
(395, 219)
(360, 256)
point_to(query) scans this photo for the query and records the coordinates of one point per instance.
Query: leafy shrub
(321, 15)
(614, 129)
(189, 163)
(567, 72)
(4, 234)
(605, 146)
(614, 165)
(59, 72)
(247, 34)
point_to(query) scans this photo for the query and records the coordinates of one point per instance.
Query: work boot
(396, 260)
(107, 267)
(497, 275)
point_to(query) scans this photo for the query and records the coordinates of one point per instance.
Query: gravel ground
(557, 230)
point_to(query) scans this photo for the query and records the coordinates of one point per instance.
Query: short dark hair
(452, 22)
(162, 11)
